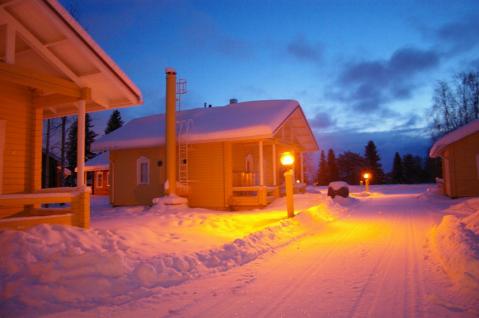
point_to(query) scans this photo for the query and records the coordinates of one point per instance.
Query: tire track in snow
(312, 271)
(370, 283)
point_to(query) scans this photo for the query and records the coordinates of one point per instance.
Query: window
(143, 171)
(107, 178)
(99, 179)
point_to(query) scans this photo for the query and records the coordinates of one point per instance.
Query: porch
(258, 177)
(49, 68)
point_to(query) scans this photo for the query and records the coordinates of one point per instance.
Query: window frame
(139, 163)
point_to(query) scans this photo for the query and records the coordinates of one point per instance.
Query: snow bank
(455, 244)
(50, 268)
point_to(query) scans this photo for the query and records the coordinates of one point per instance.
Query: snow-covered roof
(100, 162)
(452, 137)
(238, 121)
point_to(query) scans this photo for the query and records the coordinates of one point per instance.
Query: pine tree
(350, 165)
(397, 172)
(332, 167)
(71, 145)
(114, 122)
(373, 162)
(323, 170)
(412, 169)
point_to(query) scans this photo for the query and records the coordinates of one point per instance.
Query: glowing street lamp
(287, 160)
(366, 177)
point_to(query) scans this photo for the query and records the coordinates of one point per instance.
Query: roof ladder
(183, 134)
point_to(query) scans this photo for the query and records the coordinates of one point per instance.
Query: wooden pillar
(170, 130)
(275, 173)
(36, 181)
(302, 166)
(81, 143)
(261, 164)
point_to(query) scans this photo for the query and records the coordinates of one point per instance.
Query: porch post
(81, 144)
(302, 166)
(261, 164)
(274, 164)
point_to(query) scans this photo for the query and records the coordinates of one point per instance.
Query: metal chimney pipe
(170, 130)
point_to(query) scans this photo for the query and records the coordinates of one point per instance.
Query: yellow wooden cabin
(227, 157)
(49, 67)
(459, 151)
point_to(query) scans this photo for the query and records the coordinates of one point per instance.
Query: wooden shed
(99, 175)
(228, 156)
(459, 151)
(49, 67)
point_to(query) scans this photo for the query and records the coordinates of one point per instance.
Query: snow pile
(336, 185)
(455, 244)
(52, 267)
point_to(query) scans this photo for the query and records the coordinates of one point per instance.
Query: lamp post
(287, 160)
(366, 177)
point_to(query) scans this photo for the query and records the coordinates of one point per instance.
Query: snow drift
(52, 267)
(455, 244)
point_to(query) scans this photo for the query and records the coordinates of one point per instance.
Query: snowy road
(374, 263)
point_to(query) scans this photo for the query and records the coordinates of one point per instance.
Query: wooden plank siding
(16, 108)
(206, 174)
(124, 189)
(462, 179)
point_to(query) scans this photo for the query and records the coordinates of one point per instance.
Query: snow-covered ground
(391, 252)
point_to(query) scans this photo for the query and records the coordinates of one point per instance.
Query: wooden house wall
(207, 175)
(16, 108)
(460, 167)
(124, 189)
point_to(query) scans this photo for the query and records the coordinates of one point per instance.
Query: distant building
(459, 151)
(98, 169)
(228, 157)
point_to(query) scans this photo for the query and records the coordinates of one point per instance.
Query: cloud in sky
(458, 36)
(301, 49)
(322, 120)
(370, 84)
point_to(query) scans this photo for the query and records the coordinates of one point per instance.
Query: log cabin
(459, 151)
(227, 156)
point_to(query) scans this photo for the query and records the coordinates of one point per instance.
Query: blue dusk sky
(360, 69)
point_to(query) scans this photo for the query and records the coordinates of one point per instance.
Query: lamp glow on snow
(367, 177)
(287, 160)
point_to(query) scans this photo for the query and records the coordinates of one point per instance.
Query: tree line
(67, 147)
(350, 166)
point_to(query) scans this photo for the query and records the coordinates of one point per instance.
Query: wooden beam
(39, 47)
(48, 101)
(14, 74)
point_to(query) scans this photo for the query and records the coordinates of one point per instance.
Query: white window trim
(139, 162)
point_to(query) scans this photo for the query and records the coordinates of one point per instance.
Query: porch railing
(76, 211)
(251, 196)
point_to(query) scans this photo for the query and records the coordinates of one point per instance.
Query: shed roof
(239, 121)
(100, 162)
(455, 135)
(48, 41)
